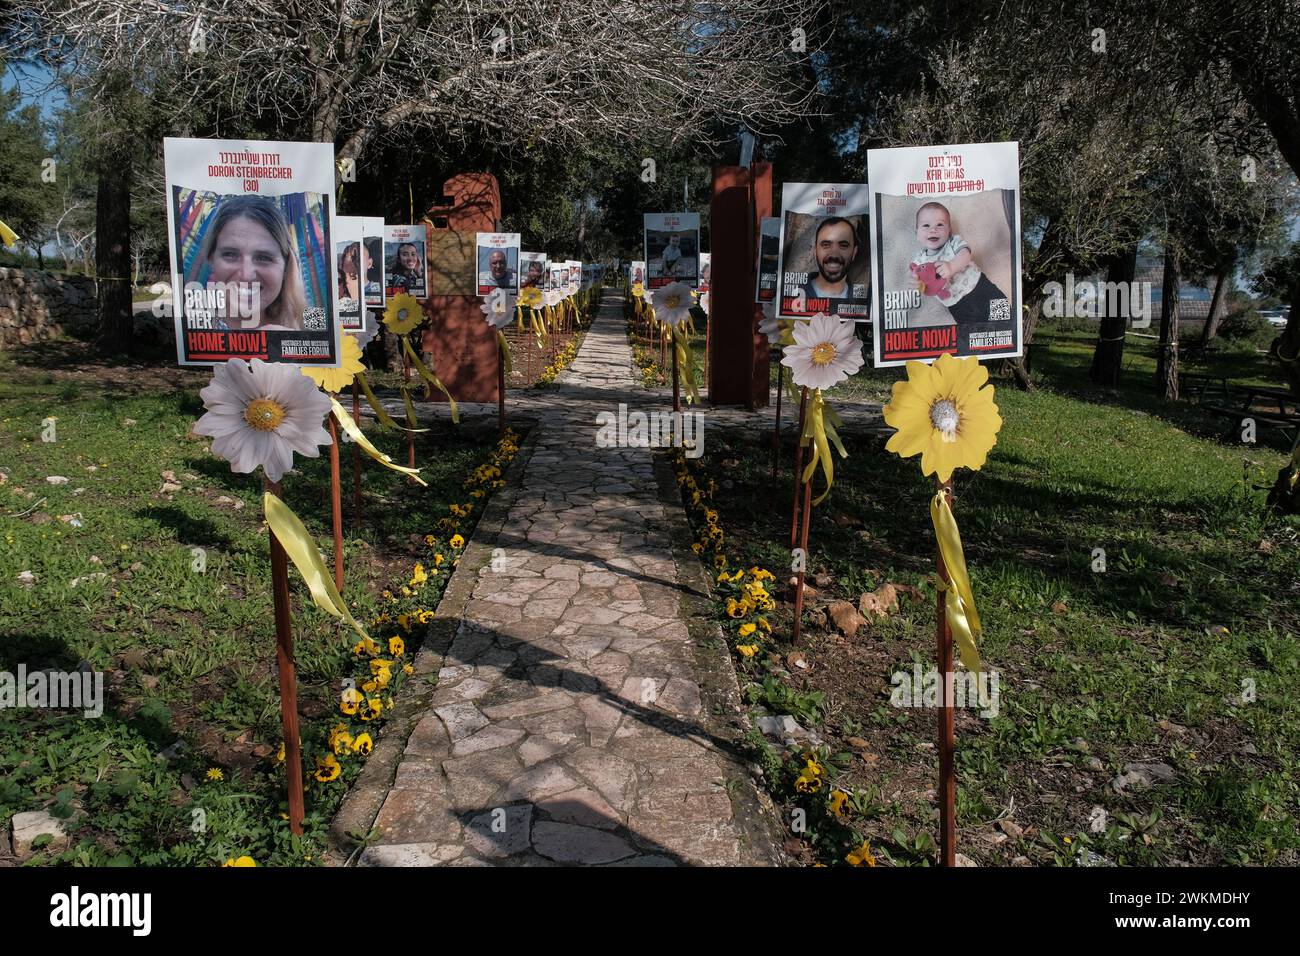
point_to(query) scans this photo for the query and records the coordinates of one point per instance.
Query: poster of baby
(946, 251)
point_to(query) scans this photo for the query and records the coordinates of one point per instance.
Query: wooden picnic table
(1237, 403)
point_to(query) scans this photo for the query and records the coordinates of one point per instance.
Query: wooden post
(336, 502)
(356, 456)
(288, 679)
(947, 737)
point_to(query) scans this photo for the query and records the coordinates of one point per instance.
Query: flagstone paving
(571, 723)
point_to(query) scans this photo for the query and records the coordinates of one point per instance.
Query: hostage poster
(824, 265)
(497, 262)
(769, 259)
(372, 250)
(404, 261)
(636, 272)
(672, 248)
(349, 265)
(532, 270)
(946, 254)
(251, 237)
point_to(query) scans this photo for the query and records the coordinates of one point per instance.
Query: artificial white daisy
(825, 351)
(499, 308)
(704, 302)
(553, 297)
(768, 325)
(260, 413)
(672, 302)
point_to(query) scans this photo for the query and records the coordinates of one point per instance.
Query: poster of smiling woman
(824, 264)
(946, 253)
(350, 267)
(251, 235)
(404, 271)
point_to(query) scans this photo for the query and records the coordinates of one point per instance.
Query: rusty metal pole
(798, 470)
(410, 436)
(288, 678)
(803, 546)
(947, 737)
(501, 386)
(776, 431)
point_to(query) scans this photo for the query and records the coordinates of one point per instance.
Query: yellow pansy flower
(240, 861)
(363, 744)
(457, 541)
(861, 856)
(396, 646)
(328, 768)
(747, 629)
(838, 801)
(749, 650)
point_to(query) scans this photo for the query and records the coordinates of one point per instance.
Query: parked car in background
(1276, 317)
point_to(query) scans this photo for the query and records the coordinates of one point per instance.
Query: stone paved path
(569, 725)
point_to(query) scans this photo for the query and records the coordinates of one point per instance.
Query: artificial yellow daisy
(638, 290)
(403, 314)
(861, 856)
(943, 412)
(530, 297)
(337, 379)
(215, 773)
(241, 861)
(328, 768)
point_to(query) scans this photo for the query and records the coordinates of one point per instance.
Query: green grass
(188, 646)
(1144, 661)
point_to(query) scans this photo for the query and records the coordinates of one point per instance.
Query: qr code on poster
(999, 310)
(313, 320)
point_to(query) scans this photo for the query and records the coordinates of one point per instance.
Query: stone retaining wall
(36, 306)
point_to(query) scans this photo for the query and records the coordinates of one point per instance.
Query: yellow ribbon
(348, 425)
(7, 236)
(958, 599)
(381, 413)
(411, 419)
(504, 346)
(540, 325)
(686, 363)
(819, 434)
(429, 377)
(302, 551)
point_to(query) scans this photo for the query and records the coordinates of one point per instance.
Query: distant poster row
(937, 229)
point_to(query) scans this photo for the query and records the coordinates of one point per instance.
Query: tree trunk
(1108, 358)
(113, 248)
(1167, 362)
(1217, 302)
(1046, 259)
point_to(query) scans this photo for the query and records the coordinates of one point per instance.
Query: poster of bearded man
(825, 265)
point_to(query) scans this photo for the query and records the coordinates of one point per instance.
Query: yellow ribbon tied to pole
(819, 433)
(686, 363)
(306, 557)
(958, 599)
(429, 377)
(381, 413)
(504, 346)
(348, 425)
